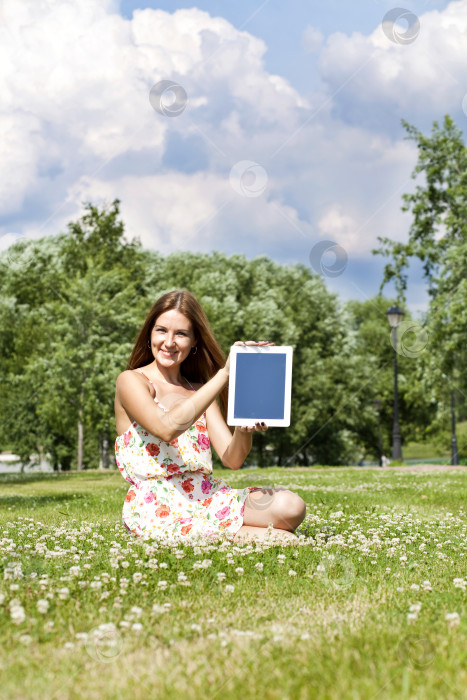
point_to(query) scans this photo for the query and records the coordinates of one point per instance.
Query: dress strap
(144, 375)
(189, 383)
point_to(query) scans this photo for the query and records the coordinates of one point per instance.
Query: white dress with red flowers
(173, 492)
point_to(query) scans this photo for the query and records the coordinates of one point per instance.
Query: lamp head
(394, 315)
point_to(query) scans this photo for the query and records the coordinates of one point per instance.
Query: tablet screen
(259, 385)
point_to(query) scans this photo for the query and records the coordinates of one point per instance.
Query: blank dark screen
(260, 386)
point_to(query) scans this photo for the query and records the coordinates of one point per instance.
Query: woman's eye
(161, 330)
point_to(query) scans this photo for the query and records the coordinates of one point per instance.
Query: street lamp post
(377, 407)
(394, 315)
(454, 452)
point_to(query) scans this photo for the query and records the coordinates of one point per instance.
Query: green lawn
(422, 450)
(373, 608)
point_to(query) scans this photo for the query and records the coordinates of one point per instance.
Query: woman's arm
(136, 399)
(232, 449)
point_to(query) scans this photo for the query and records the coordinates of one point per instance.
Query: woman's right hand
(263, 343)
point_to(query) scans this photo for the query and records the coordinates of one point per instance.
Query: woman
(167, 418)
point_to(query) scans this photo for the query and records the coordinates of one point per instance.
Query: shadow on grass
(36, 502)
(53, 477)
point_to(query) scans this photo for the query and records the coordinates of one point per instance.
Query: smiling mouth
(167, 353)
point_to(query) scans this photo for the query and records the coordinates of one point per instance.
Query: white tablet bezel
(236, 350)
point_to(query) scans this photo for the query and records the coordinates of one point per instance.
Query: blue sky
(290, 133)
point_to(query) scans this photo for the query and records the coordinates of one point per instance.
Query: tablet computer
(260, 385)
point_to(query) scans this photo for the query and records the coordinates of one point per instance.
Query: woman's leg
(248, 533)
(281, 507)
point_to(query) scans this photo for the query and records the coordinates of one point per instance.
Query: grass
(357, 609)
(442, 448)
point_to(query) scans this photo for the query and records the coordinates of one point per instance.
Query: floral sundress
(173, 492)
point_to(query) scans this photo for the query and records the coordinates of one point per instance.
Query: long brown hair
(198, 367)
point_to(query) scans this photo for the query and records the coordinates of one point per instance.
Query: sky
(254, 127)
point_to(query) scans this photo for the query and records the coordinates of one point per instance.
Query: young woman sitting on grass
(167, 418)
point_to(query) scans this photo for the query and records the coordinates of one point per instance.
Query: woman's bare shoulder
(127, 378)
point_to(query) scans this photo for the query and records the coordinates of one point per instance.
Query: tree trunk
(80, 444)
(104, 451)
(261, 451)
(279, 461)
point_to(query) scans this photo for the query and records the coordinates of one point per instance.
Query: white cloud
(78, 124)
(312, 39)
(426, 76)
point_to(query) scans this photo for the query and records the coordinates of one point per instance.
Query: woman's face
(172, 338)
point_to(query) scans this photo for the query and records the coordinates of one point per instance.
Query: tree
(438, 237)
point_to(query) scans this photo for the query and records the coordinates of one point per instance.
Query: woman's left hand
(260, 427)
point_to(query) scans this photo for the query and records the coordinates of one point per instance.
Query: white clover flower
(292, 572)
(259, 566)
(414, 587)
(125, 564)
(63, 593)
(460, 583)
(158, 609)
(17, 614)
(137, 627)
(42, 606)
(411, 617)
(415, 607)
(163, 565)
(239, 571)
(137, 576)
(162, 584)
(229, 588)
(221, 576)
(452, 619)
(25, 639)
(136, 610)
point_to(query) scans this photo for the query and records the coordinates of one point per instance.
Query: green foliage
(438, 238)
(71, 307)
